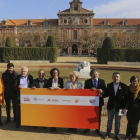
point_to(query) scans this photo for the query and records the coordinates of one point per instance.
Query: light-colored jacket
(77, 85)
(1, 91)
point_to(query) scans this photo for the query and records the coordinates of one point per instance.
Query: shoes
(1, 124)
(7, 121)
(53, 129)
(117, 137)
(99, 132)
(106, 136)
(72, 130)
(86, 131)
(133, 137)
(127, 137)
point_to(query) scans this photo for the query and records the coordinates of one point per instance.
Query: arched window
(75, 35)
(65, 21)
(86, 21)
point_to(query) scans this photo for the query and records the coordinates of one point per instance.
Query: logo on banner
(66, 100)
(49, 100)
(36, 99)
(27, 99)
(92, 101)
(76, 101)
(55, 100)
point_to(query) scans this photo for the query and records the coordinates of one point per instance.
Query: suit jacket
(133, 103)
(36, 83)
(17, 83)
(8, 80)
(119, 101)
(101, 85)
(60, 82)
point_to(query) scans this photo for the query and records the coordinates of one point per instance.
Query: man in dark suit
(96, 83)
(117, 93)
(40, 82)
(24, 80)
(8, 78)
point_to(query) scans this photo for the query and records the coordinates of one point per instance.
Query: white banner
(60, 100)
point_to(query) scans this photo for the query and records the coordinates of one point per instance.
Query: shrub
(9, 42)
(109, 43)
(51, 42)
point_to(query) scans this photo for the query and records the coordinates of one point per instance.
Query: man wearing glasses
(24, 80)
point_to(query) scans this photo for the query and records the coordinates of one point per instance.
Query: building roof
(54, 22)
(35, 22)
(113, 21)
(82, 10)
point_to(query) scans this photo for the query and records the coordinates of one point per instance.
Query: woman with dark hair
(133, 114)
(55, 82)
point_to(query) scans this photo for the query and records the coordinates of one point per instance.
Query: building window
(106, 22)
(75, 35)
(86, 21)
(45, 22)
(125, 22)
(75, 7)
(29, 23)
(4, 22)
(65, 21)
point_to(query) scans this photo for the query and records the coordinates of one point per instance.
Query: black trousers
(100, 111)
(8, 100)
(18, 111)
(133, 117)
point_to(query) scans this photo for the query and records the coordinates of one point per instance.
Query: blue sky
(38, 9)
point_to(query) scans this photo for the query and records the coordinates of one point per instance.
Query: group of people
(120, 96)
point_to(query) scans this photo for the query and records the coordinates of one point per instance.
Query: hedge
(32, 53)
(127, 55)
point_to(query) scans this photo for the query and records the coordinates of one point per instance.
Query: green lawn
(104, 74)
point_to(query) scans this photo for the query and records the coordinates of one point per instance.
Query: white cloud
(118, 9)
(51, 4)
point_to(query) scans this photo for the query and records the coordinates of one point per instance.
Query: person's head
(54, 73)
(41, 74)
(116, 77)
(134, 80)
(73, 76)
(10, 67)
(94, 73)
(24, 71)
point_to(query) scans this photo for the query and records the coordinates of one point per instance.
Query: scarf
(134, 90)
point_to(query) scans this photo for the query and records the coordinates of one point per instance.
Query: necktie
(95, 84)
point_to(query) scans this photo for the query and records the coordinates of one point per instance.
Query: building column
(79, 51)
(88, 51)
(69, 50)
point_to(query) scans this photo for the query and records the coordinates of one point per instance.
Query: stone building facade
(74, 21)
